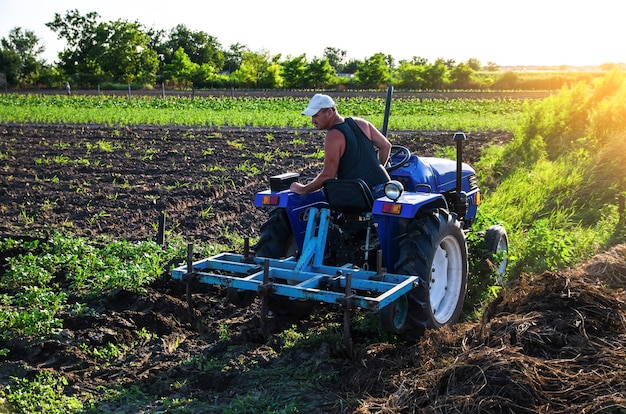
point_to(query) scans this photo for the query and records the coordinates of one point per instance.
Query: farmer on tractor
(403, 254)
(353, 148)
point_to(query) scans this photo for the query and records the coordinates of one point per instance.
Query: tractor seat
(349, 195)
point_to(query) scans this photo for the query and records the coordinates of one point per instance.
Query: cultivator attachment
(306, 278)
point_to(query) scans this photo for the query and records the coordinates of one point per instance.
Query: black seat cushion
(350, 196)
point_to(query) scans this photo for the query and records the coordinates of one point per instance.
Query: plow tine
(347, 338)
(188, 279)
(264, 291)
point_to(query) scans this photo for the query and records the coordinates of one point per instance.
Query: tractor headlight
(394, 189)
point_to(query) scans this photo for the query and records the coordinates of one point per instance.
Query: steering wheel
(398, 156)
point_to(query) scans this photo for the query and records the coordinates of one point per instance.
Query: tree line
(123, 52)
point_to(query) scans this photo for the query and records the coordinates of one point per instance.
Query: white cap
(317, 102)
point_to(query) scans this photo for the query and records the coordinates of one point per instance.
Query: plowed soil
(554, 343)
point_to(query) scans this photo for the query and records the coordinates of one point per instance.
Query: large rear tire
(276, 241)
(435, 250)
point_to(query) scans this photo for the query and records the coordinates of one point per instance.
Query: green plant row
(406, 113)
(41, 278)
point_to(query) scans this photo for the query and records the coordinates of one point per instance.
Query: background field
(121, 337)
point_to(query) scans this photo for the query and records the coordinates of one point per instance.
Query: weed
(207, 213)
(248, 168)
(49, 205)
(61, 159)
(223, 332)
(235, 143)
(31, 313)
(213, 168)
(149, 154)
(144, 333)
(45, 393)
(297, 141)
(317, 155)
(108, 352)
(176, 185)
(97, 217)
(26, 218)
(105, 146)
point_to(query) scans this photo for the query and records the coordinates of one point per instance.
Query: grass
(556, 186)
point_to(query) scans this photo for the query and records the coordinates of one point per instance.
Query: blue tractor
(403, 255)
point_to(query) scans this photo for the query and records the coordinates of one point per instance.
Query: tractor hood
(444, 171)
(431, 174)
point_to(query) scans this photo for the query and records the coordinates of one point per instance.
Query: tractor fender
(408, 205)
(295, 205)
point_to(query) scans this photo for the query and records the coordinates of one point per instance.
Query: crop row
(406, 113)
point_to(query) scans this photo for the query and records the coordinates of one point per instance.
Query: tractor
(403, 255)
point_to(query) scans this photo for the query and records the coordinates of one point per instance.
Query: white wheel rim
(446, 279)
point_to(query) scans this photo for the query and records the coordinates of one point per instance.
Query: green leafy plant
(45, 393)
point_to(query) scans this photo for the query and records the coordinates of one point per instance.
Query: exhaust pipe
(387, 110)
(459, 137)
(460, 199)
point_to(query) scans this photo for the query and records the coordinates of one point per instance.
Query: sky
(507, 33)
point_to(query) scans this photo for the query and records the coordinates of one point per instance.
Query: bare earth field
(556, 343)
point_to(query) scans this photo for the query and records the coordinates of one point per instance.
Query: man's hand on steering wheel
(395, 161)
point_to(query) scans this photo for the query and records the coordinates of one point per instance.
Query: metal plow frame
(312, 283)
(307, 278)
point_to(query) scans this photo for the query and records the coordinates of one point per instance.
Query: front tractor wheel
(435, 250)
(497, 244)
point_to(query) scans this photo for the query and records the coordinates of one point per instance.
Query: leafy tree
(19, 59)
(79, 33)
(181, 70)
(374, 71)
(199, 46)
(321, 73)
(410, 75)
(252, 69)
(273, 76)
(351, 66)
(115, 51)
(10, 67)
(391, 62)
(461, 76)
(450, 63)
(492, 67)
(474, 64)
(233, 57)
(418, 61)
(509, 80)
(335, 58)
(125, 52)
(296, 72)
(436, 75)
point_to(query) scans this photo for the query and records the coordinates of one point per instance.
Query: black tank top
(360, 159)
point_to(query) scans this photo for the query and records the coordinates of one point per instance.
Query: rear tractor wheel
(435, 250)
(276, 241)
